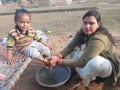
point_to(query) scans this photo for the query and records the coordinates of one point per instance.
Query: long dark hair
(101, 29)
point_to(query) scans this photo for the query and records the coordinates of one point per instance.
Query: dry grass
(64, 21)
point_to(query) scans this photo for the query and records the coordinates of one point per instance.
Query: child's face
(23, 22)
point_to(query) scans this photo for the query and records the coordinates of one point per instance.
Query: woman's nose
(87, 25)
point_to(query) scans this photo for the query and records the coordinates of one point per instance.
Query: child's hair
(20, 11)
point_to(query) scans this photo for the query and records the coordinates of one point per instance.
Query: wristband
(59, 61)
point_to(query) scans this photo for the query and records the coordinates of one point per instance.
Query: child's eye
(21, 22)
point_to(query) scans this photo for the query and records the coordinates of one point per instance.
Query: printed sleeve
(37, 36)
(10, 42)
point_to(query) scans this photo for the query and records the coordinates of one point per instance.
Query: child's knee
(46, 52)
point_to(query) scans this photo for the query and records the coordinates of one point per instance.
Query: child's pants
(36, 49)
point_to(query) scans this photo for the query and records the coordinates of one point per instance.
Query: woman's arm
(94, 47)
(72, 44)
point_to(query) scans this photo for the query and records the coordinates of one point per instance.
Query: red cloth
(2, 76)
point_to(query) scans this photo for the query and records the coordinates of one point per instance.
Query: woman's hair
(101, 29)
(94, 13)
(20, 12)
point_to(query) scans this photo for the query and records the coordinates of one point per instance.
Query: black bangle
(39, 40)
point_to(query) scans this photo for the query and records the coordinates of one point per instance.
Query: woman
(95, 51)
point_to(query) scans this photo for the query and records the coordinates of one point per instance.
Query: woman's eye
(91, 23)
(85, 22)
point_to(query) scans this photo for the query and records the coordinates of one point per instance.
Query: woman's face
(23, 22)
(90, 25)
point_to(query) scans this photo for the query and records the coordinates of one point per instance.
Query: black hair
(21, 11)
(101, 29)
(94, 13)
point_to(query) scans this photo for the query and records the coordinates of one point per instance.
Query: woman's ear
(99, 24)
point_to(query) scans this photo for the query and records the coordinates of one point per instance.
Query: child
(25, 38)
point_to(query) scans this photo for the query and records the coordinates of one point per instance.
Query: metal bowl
(53, 77)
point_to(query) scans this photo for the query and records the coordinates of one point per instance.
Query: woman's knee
(100, 65)
(97, 61)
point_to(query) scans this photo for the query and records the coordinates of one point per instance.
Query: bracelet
(59, 61)
(59, 56)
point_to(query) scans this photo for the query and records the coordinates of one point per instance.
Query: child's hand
(47, 63)
(50, 62)
(53, 61)
(11, 61)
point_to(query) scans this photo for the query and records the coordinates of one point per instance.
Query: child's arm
(10, 44)
(10, 57)
(46, 44)
(39, 39)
